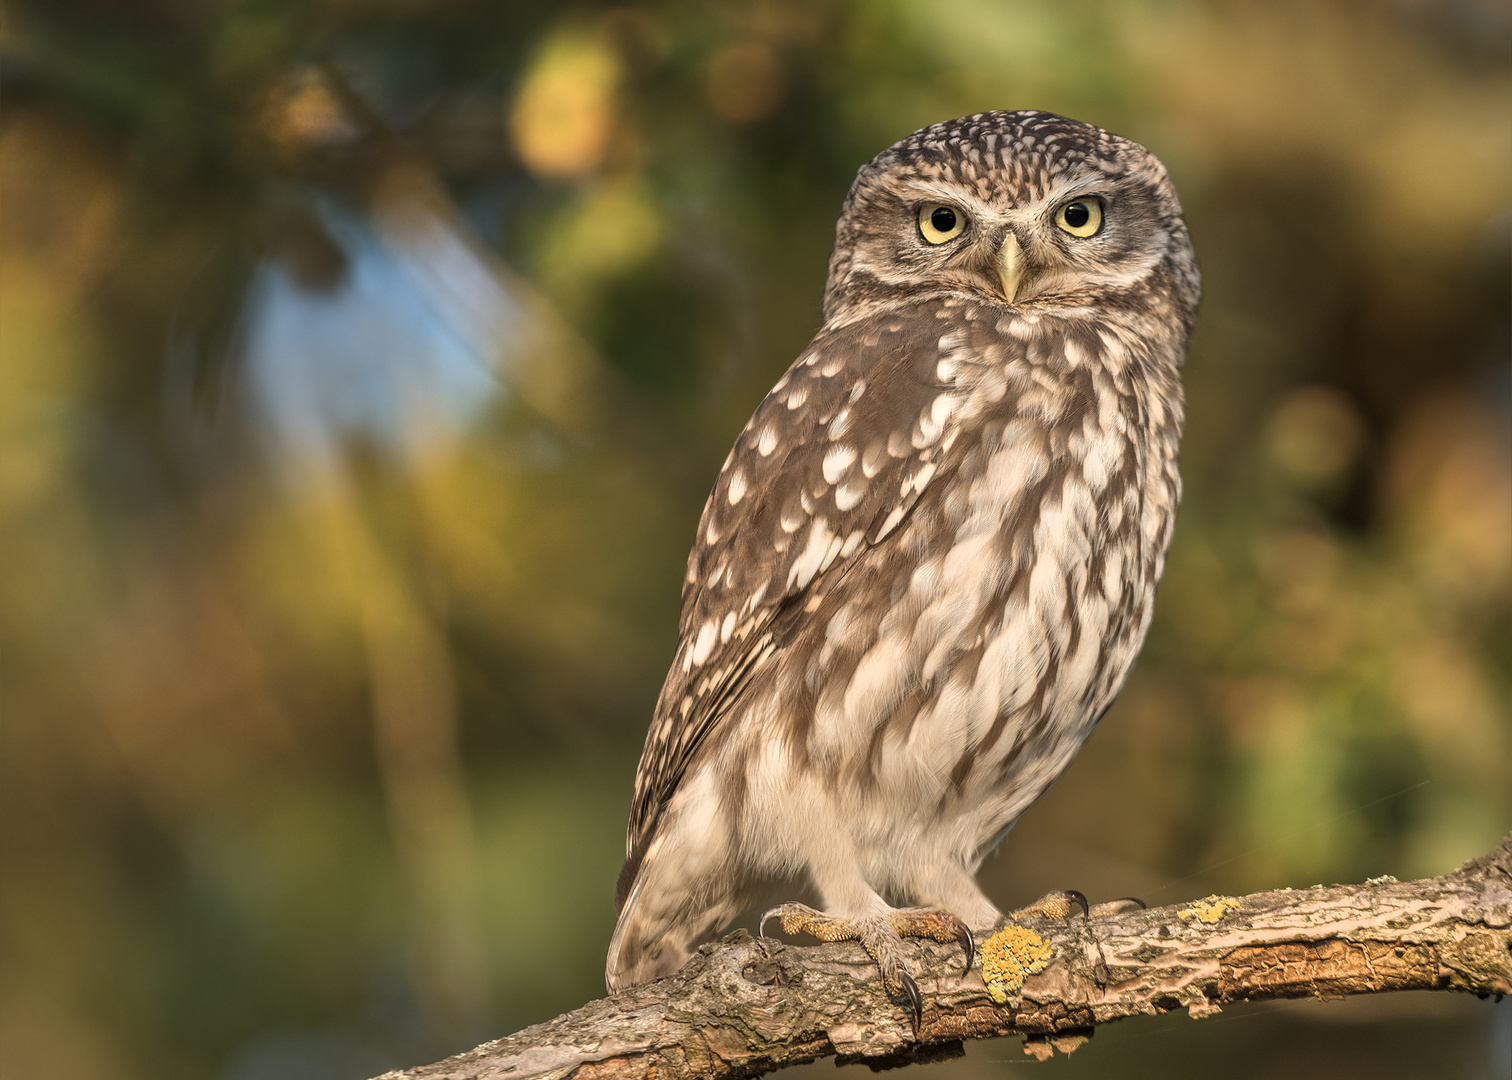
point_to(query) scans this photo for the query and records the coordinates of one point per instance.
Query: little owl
(929, 561)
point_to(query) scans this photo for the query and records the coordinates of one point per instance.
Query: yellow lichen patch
(1209, 909)
(1009, 957)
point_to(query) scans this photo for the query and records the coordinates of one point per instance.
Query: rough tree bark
(745, 1007)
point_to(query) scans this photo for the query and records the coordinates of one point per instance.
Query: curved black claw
(963, 935)
(796, 917)
(1061, 904)
(912, 998)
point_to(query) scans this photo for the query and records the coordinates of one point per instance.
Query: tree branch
(745, 1006)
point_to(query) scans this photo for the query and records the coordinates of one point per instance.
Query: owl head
(1022, 209)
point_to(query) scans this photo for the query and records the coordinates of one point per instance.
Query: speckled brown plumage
(929, 561)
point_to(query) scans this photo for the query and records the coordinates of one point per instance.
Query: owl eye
(1080, 217)
(939, 223)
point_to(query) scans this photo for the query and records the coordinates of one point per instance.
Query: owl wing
(831, 463)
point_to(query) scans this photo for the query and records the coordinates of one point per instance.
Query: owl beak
(1010, 266)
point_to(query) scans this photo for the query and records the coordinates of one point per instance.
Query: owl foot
(882, 937)
(1060, 904)
(1063, 903)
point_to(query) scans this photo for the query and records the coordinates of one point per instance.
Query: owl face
(1024, 209)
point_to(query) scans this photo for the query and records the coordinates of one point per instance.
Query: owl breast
(945, 679)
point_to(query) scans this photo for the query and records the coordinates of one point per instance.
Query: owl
(928, 563)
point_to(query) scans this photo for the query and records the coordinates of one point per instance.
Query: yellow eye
(939, 223)
(1080, 217)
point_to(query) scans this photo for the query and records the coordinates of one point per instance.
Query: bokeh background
(364, 365)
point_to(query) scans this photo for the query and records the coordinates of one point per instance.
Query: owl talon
(881, 937)
(1053, 905)
(761, 926)
(802, 919)
(910, 997)
(936, 924)
(964, 937)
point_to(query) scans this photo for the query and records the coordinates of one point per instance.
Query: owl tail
(662, 920)
(634, 957)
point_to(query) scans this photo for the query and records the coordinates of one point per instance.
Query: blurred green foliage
(363, 369)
